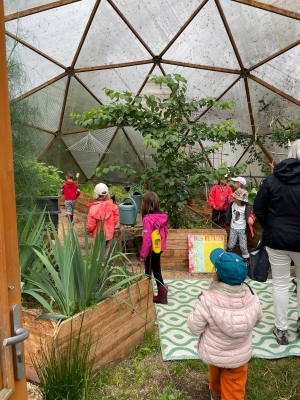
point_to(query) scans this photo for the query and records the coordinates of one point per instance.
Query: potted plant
(113, 299)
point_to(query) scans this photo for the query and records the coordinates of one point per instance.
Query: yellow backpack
(156, 239)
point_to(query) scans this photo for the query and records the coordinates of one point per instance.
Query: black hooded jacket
(277, 206)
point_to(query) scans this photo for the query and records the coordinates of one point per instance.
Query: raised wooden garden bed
(81, 203)
(176, 255)
(116, 327)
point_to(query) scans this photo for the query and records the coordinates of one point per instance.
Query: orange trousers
(228, 383)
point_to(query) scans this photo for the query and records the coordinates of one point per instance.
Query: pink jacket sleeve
(147, 243)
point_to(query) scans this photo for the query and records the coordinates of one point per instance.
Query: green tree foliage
(167, 126)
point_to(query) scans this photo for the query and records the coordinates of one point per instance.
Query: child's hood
(70, 184)
(101, 209)
(234, 316)
(160, 218)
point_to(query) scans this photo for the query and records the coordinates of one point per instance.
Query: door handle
(20, 334)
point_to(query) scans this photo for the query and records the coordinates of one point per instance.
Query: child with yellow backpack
(154, 242)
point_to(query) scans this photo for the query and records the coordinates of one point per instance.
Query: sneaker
(247, 262)
(212, 397)
(298, 325)
(281, 336)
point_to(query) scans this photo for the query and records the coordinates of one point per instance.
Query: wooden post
(9, 261)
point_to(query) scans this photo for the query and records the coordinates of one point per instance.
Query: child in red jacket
(219, 199)
(102, 210)
(71, 191)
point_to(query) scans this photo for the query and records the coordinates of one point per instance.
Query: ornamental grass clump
(66, 372)
(69, 282)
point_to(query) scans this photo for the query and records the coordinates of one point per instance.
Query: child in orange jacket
(102, 210)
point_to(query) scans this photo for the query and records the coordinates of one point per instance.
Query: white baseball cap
(240, 179)
(101, 189)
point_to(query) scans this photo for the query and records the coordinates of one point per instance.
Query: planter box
(115, 326)
(176, 255)
(51, 205)
(204, 209)
(81, 202)
(48, 203)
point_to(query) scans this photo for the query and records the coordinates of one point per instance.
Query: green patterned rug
(178, 343)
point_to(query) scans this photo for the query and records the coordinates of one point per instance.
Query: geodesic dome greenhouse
(244, 51)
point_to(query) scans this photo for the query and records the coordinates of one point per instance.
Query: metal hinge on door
(20, 334)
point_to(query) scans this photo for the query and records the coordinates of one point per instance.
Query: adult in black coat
(277, 208)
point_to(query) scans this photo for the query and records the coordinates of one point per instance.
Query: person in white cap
(239, 182)
(102, 210)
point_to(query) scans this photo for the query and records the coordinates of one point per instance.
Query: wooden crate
(115, 326)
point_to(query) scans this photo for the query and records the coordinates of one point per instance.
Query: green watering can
(128, 211)
(137, 197)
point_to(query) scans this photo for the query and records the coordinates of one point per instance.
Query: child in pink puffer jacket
(224, 318)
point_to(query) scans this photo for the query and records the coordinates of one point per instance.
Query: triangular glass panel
(202, 83)
(13, 6)
(137, 139)
(164, 19)
(278, 153)
(225, 154)
(119, 79)
(47, 103)
(40, 140)
(282, 72)
(56, 32)
(254, 171)
(89, 161)
(268, 107)
(110, 41)
(35, 69)
(123, 155)
(78, 101)
(204, 41)
(258, 33)
(239, 114)
(151, 89)
(88, 144)
(58, 156)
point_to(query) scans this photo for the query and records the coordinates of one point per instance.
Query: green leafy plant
(68, 372)
(170, 393)
(29, 238)
(114, 190)
(50, 179)
(170, 127)
(73, 283)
